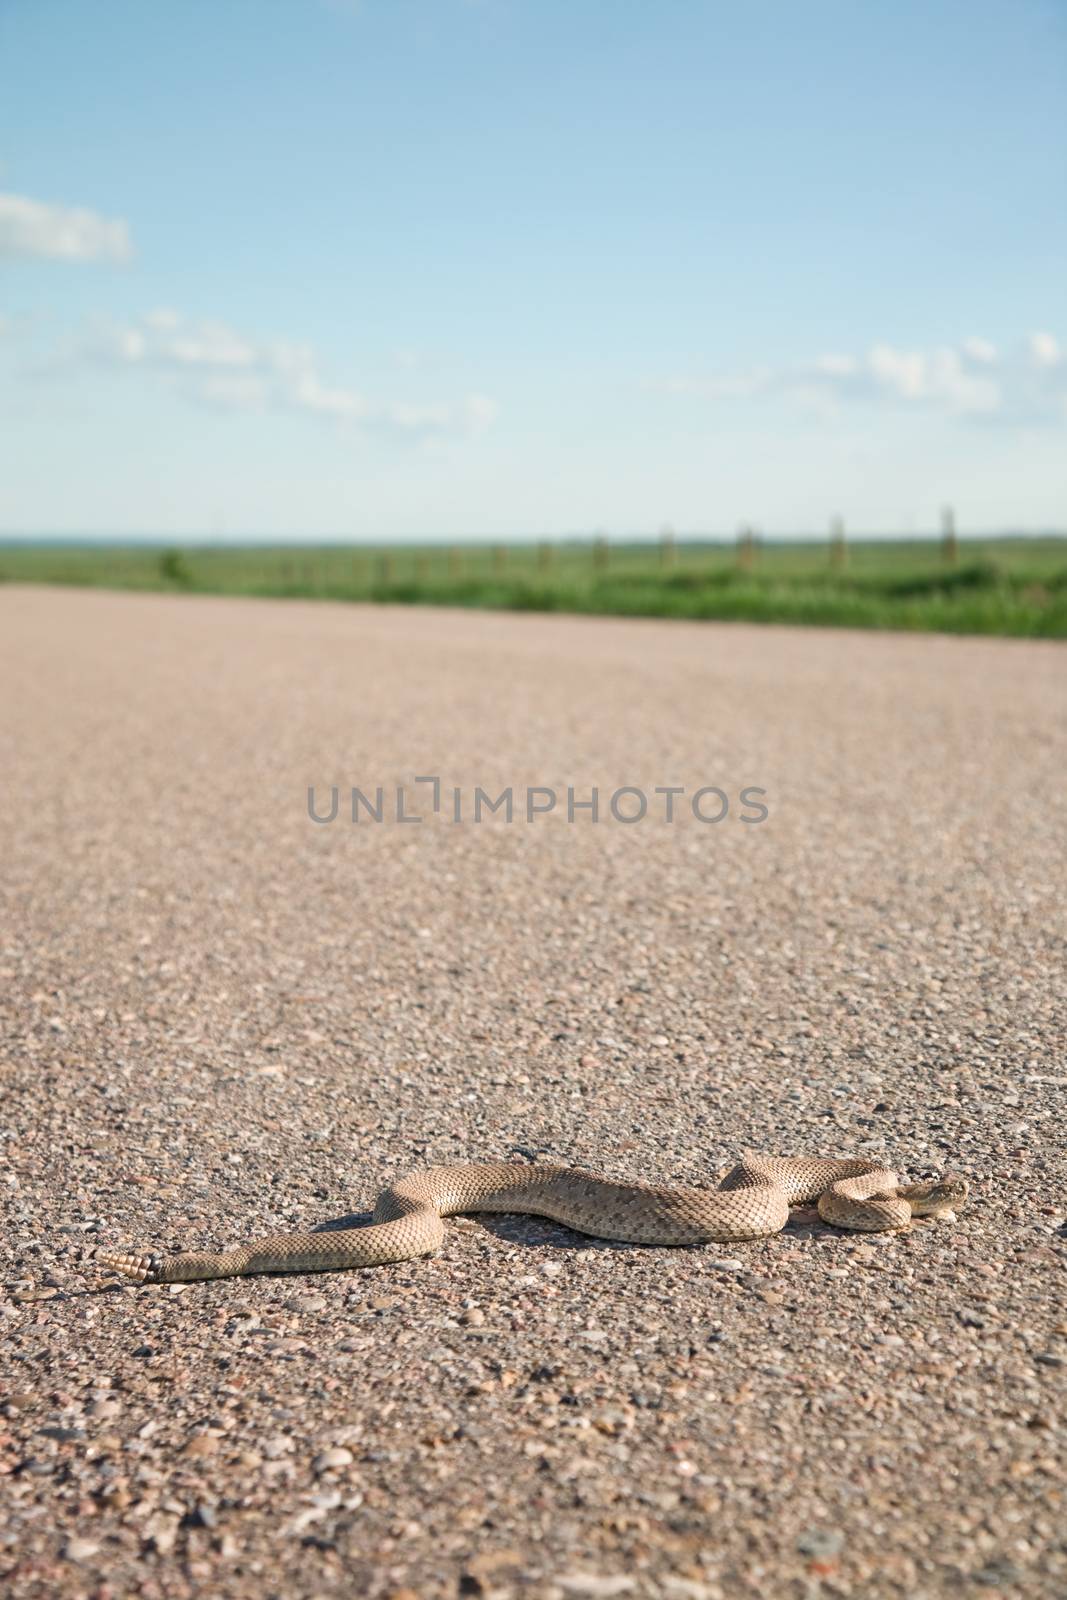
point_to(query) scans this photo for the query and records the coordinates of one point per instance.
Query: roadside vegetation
(996, 586)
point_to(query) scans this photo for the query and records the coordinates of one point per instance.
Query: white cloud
(210, 345)
(728, 386)
(310, 394)
(481, 411)
(402, 414)
(980, 350)
(943, 377)
(239, 392)
(1045, 350)
(972, 379)
(212, 364)
(835, 366)
(62, 233)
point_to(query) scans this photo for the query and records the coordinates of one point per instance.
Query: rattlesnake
(752, 1201)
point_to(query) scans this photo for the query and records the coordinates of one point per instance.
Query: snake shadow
(538, 1233)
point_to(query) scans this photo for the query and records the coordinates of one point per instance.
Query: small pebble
(201, 1445)
(821, 1542)
(80, 1549)
(596, 1586)
(280, 1444)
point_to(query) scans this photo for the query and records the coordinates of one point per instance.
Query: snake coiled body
(752, 1201)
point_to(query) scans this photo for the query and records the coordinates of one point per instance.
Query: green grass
(996, 586)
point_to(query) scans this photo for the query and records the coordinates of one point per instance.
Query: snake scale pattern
(752, 1202)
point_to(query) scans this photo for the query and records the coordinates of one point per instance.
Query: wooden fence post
(949, 545)
(838, 546)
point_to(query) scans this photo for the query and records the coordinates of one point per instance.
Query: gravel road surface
(219, 1017)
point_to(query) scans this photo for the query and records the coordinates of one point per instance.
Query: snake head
(929, 1199)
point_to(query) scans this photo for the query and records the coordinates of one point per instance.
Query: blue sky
(444, 268)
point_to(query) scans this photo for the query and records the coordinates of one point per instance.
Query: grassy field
(997, 586)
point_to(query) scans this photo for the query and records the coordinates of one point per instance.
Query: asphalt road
(218, 1016)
